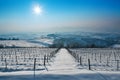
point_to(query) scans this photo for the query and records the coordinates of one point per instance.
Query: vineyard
(15, 59)
(61, 64)
(105, 59)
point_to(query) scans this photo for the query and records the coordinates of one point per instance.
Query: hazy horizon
(59, 16)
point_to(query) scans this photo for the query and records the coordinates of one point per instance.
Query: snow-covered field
(62, 67)
(19, 43)
(16, 59)
(41, 42)
(101, 59)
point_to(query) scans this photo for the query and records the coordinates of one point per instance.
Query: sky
(59, 16)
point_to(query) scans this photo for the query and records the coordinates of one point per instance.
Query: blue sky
(60, 15)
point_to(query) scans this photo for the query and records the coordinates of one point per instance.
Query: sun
(37, 9)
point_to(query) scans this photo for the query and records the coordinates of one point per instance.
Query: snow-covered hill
(70, 39)
(116, 46)
(19, 43)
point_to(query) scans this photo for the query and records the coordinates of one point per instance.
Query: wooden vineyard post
(117, 64)
(77, 57)
(5, 64)
(34, 64)
(95, 57)
(100, 57)
(47, 58)
(34, 67)
(107, 62)
(24, 57)
(89, 64)
(115, 57)
(1, 57)
(16, 60)
(44, 60)
(80, 60)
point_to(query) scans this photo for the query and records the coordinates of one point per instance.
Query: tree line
(9, 38)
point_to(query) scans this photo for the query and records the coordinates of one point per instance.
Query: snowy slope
(43, 41)
(116, 46)
(82, 39)
(64, 67)
(19, 43)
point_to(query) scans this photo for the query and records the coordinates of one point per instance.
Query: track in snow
(65, 64)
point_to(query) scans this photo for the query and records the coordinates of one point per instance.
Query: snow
(18, 59)
(116, 46)
(19, 43)
(46, 40)
(64, 67)
(43, 41)
(101, 59)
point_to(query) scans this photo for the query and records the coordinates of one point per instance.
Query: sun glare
(37, 9)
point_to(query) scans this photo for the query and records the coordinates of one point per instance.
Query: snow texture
(19, 43)
(64, 67)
